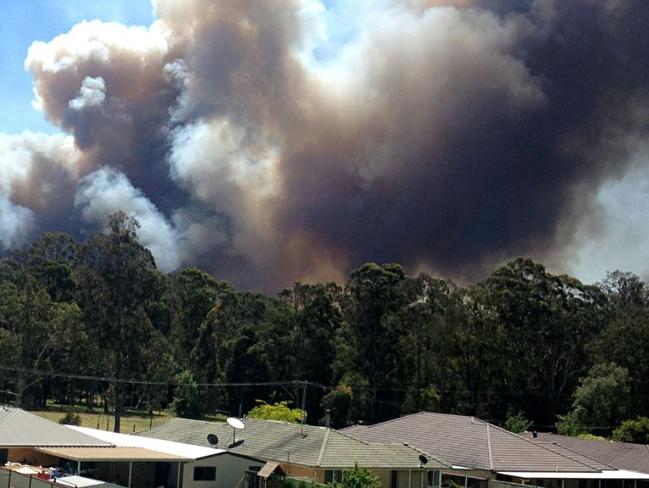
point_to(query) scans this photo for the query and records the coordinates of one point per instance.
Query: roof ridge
(323, 447)
(491, 461)
(416, 414)
(349, 436)
(421, 451)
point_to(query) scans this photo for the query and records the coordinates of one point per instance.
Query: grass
(130, 422)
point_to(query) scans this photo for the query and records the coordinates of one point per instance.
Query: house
(21, 432)
(487, 452)
(620, 455)
(162, 462)
(135, 462)
(306, 452)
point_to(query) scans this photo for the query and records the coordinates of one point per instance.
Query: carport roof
(135, 454)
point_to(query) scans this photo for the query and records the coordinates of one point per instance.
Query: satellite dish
(213, 439)
(423, 459)
(236, 423)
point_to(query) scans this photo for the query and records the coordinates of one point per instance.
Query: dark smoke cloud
(448, 136)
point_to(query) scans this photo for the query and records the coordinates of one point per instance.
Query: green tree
(193, 295)
(370, 335)
(636, 431)
(600, 401)
(51, 260)
(423, 340)
(120, 279)
(187, 398)
(626, 339)
(517, 422)
(337, 404)
(548, 321)
(34, 330)
(276, 411)
(358, 478)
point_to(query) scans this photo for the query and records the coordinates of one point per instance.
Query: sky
(295, 139)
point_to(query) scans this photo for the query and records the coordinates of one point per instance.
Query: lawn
(130, 422)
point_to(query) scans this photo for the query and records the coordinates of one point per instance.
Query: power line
(310, 384)
(41, 372)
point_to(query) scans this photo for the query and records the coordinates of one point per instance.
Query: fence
(12, 479)
(504, 484)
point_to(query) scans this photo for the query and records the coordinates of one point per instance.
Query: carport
(135, 467)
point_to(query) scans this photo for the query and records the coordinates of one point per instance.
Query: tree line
(94, 321)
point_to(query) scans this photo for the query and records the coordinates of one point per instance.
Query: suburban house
(28, 441)
(620, 455)
(22, 434)
(486, 453)
(188, 466)
(306, 452)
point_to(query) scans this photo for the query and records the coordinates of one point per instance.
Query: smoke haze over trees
(81, 320)
(446, 135)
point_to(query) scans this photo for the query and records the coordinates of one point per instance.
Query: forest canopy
(95, 321)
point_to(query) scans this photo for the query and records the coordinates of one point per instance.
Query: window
(434, 479)
(333, 475)
(394, 479)
(204, 473)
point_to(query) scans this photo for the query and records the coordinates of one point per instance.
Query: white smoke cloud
(92, 93)
(16, 223)
(106, 190)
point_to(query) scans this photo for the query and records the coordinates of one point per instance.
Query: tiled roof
(620, 455)
(286, 442)
(472, 443)
(19, 428)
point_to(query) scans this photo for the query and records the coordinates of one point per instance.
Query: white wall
(229, 471)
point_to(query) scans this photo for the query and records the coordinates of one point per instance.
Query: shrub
(517, 422)
(276, 411)
(636, 431)
(70, 418)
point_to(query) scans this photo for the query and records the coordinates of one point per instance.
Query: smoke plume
(446, 135)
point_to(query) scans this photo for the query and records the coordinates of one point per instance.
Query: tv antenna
(236, 424)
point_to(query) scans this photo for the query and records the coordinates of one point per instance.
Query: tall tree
(33, 331)
(625, 341)
(370, 334)
(119, 278)
(548, 322)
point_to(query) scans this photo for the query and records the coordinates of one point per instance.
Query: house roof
(472, 443)
(174, 449)
(291, 443)
(620, 455)
(19, 428)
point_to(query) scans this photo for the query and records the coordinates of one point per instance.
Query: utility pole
(303, 407)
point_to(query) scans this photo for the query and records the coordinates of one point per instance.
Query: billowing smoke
(447, 135)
